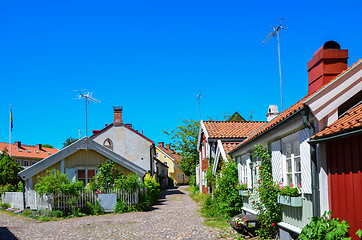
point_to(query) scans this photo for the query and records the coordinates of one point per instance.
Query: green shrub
(266, 193)
(95, 209)
(226, 194)
(8, 188)
(153, 188)
(5, 205)
(130, 182)
(55, 182)
(325, 227)
(58, 213)
(171, 181)
(121, 207)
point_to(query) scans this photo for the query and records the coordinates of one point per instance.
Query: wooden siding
(344, 161)
(298, 216)
(43, 173)
(81, 158)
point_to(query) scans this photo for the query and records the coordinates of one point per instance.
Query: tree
(69, 141)
(185, 143)
(9, 170)
(47, 146)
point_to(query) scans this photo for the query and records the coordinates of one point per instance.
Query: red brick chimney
(117, 116)
(329, 61)
(168, 147)
(160, 144)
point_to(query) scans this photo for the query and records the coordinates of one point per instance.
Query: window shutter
(277, 161)
(305, 161)
(248, 171)
(71, 173)
(240, 170)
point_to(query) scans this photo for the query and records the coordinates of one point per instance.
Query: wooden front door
(344, 160)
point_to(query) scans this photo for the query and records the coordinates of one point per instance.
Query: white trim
(202, 130)
(249, 210)
(336, 93)
(165, 154)
(290, 227)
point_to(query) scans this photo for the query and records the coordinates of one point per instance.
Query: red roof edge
(98, 132)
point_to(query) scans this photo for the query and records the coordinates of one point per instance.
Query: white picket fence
(67, 202)
(63, 202)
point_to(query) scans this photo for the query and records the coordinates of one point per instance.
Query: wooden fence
(63, 202)
(67, 202)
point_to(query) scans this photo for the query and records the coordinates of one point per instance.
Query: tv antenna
(87, 98)
(276, 32)
(198, 96)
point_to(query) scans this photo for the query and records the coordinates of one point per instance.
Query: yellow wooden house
(170, 158)
(79, 161)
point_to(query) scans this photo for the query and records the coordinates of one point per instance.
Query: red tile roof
(293, 109)
(228, 146)
(352, 120)
(172, 153)
(226, 129)
(97, 132)
(28, 151)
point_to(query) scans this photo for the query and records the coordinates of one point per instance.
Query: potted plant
(243, 189)
(290, 195)
(240, 221)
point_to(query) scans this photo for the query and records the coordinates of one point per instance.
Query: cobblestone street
(175, 217)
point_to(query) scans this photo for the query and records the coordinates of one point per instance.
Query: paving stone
(175, 217)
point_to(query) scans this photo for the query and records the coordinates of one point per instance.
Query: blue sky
(153, 58)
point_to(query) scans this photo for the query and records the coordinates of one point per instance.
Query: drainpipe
(314, 169)
(151, 158)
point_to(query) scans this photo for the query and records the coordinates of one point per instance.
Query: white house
(333, 89)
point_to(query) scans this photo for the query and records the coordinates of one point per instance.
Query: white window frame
(26, 163)
(293, 141)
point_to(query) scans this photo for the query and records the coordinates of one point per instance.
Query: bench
(250, 218)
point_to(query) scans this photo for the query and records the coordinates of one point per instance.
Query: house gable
(82, 144)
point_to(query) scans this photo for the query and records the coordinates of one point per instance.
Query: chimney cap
(117, 108)
(331, 45)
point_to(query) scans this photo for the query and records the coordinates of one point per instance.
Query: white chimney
(272, 112)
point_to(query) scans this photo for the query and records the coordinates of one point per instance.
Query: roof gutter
(268, 130)
(333, 137)
(314, 170)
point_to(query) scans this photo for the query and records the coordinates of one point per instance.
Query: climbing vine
(266, 193)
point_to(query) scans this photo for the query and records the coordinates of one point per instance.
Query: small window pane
(81, 173)
(289, 179)
(298, 179)
(288, 150)
(297, 164)
(91, 173)
(296, 148)
(289, 165)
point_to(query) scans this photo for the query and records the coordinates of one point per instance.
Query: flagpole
(10, 129)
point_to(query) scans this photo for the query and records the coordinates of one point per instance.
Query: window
(33, 162)
(18, 161)
(165, 163)
(156, 154)
(26, 163)
(292, 166)
(108, 143)
(164, 156)
(85, 175)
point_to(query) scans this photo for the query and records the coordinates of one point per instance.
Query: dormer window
(108, 143)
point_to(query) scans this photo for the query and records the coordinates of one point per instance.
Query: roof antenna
(87, 97)
(276, 32)
(198, 96)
